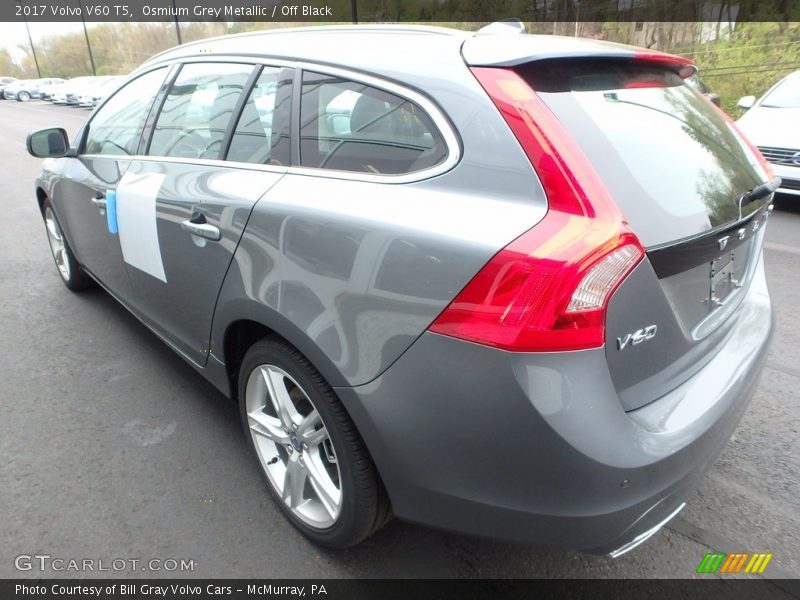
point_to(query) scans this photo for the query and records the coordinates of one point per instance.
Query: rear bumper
(537, 448)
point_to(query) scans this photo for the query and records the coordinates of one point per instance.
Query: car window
(196, 112)
(659, 147)
(262, 132)
(786, 95)
(117, 126)
(351, 126)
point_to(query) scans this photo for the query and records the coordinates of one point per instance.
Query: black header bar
(349, 11)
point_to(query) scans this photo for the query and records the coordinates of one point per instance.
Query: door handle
(99, 201)
(203, 229)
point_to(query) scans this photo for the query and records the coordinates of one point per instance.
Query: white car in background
(92, 94)
(773, 124)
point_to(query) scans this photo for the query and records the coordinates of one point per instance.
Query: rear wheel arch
(242, 334)
(41, 196)
(254, 322)
(238, 339)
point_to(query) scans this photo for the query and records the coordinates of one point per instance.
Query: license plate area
(723, 278)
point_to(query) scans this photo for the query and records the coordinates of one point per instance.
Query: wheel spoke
(52, 229)
(327, 493)
(307, 429)
(316, 437)
(294, 481)
(279, 395)
(268, 427)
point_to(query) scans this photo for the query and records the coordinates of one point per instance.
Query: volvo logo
(637, 337)
(795, 159)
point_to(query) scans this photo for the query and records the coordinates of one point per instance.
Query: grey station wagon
(500, 284)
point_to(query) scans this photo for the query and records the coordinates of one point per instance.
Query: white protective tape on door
(136, 219)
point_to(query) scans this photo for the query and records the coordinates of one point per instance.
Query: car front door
(182, 210)
(110, 140)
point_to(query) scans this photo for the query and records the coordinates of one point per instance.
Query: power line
(713, 69)
(748, 71)
(736, 48)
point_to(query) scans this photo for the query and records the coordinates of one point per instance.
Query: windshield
(786, 95)
(672, 162)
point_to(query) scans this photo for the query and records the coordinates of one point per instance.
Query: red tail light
(547, 290)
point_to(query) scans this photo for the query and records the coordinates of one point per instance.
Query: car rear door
(182, 210)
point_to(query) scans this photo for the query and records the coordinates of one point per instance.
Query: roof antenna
(505, 26)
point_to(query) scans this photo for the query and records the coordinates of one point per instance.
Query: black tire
(364, 503)
(74, 277)
(23, 96)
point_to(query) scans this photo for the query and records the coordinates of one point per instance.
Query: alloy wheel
(293, 446)
(57, 244)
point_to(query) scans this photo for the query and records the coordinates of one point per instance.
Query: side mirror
(746, 102)
(48, 143)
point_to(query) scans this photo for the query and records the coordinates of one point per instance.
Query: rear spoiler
(514, 50)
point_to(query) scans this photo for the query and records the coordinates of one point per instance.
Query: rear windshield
(671, 161)
(786, 95)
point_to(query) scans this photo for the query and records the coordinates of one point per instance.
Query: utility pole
(86, 35)
(177, 25)
(354, 9)
(30, 39)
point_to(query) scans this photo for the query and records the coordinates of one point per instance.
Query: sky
(13, 34)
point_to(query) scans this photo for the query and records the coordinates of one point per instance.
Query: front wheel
(71, 272)
(23, 96)
(312, 457)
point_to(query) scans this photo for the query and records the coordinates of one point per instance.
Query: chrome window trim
(436, 116)
(209, 162)
(442, 123)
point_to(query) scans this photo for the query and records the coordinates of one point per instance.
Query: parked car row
(81, 91)
(27, 89)
(78, 91)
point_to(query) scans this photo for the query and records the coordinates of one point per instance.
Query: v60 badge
(637, 337)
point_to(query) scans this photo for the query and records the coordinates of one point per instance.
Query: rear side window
(262, 132)
(351, 126)
(671, 161)
(197, 110)
(117, 126)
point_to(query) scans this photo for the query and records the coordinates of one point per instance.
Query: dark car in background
(483, 282)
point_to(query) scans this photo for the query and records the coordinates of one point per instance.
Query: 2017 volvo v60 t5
(502, 284)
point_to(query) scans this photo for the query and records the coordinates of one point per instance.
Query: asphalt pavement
(113, 448)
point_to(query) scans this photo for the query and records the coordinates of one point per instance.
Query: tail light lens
(547, 290)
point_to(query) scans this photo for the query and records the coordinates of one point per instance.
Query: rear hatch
(677, 169)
